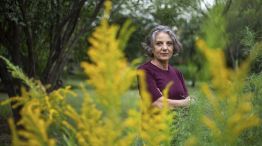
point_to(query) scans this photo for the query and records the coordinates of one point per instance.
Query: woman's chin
(164, 59)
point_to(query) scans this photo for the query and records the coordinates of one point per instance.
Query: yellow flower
(232, 111)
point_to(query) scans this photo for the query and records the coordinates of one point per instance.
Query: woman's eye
(158, 43)
(169, 43)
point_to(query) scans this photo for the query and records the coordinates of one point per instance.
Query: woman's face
(163, 47)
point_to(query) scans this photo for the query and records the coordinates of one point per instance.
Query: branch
(228, 4)
(61, 33)
(72, 21)
(71, 13)
(86, 27)
(29, 41)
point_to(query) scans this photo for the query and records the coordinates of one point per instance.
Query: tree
(38, 36)
(244, 30)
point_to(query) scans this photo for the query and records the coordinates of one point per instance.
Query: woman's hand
(188, 100)
(158, 103)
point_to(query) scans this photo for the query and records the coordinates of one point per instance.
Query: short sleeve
(151, 86)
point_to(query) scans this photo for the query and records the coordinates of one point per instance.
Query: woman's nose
(164, 47)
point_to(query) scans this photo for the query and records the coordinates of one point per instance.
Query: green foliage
(244, 30)
(18, 73)
(216, 24)
(252, 136)
(256, 53)
(187, 122)
(248, 39)
(230, 111)
(5, 110)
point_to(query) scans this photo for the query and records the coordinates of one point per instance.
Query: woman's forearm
(172, 103)
(179, 103)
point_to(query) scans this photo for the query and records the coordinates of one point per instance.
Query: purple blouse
(157, 79)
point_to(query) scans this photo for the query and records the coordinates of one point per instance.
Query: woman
(161, 45)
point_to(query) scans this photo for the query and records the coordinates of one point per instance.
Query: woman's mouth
(164, 54)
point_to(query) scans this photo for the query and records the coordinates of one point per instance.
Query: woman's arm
(172, 103)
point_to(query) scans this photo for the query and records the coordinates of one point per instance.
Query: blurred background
(48, 39)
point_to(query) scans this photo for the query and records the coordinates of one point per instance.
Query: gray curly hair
(149, 40)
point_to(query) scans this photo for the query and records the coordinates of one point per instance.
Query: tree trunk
(10, 39)
(30, 70)
(61, 34)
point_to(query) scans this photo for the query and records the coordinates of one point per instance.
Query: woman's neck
(160, 64)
